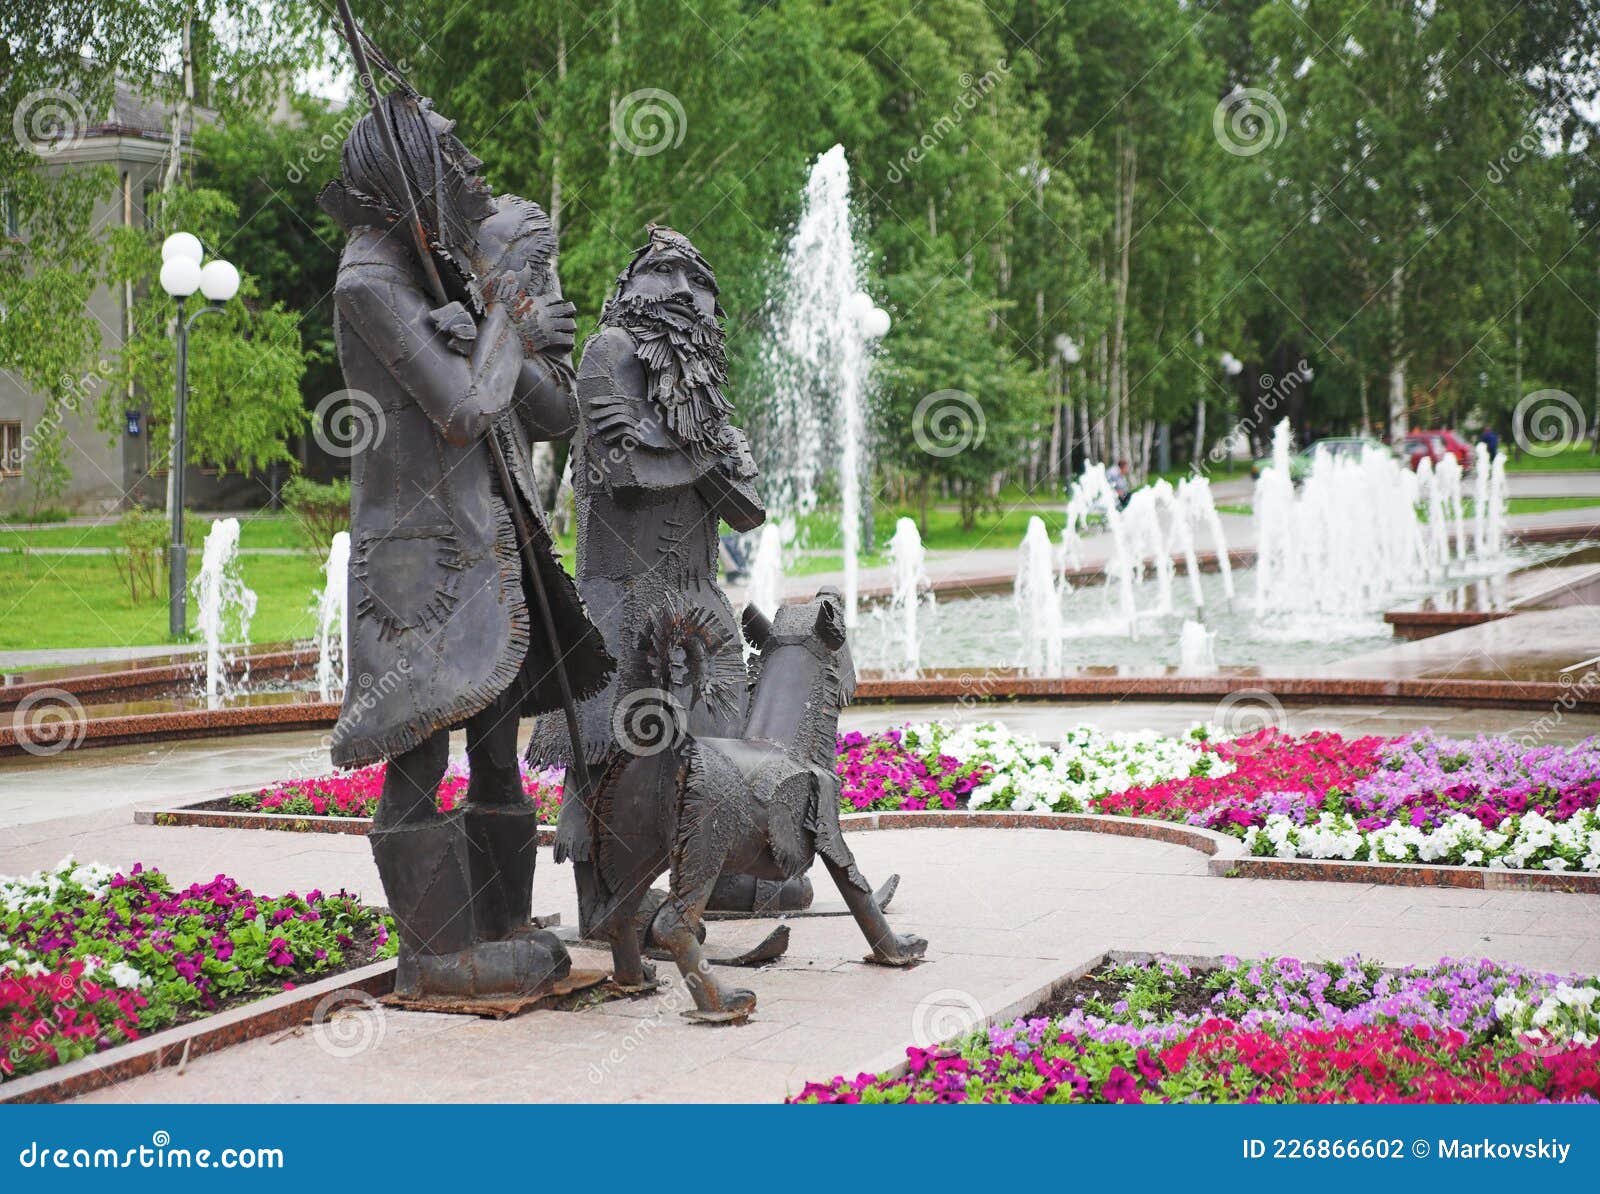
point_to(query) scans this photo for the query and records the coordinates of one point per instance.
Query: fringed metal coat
(440, 620)
(648, 513)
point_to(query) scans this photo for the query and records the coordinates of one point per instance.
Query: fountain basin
(140, 703)
(163, 677)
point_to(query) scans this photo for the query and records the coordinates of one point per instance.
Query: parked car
(1334, 445)
(1435, 446)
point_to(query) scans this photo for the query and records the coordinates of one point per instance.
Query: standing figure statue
(446, 631)
(657, 465)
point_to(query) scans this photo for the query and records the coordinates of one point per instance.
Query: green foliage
(245, 360)
(142, 537)
(1422, 202)
(320, 511)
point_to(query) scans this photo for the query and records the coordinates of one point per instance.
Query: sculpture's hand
(456, 325)
(547, 323)
(612, 418)
(744, 464)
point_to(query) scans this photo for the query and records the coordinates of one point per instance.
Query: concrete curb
(1228, 859)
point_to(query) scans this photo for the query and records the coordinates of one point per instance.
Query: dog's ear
(757, 629)
(830, 619)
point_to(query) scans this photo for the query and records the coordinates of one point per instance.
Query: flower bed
(91, 958)
(1276, 1031)
(1419, 799)
(1024, 774)
(355, 793)
(1486, 801)
(902, 771)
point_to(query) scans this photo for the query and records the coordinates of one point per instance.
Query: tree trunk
(1594, 447)
(1199, 432)
(1516, 329)
(555, 154)
(1127, 171)
(180, 113)
(1397, 356)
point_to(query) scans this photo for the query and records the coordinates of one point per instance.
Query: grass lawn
(1522, 505)
(79, 601)
(944, 531)
(1571, 459)
(255, 530)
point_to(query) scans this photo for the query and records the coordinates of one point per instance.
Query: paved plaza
(1006, 913)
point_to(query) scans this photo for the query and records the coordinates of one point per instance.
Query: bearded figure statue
(656, 466)
(444, 629)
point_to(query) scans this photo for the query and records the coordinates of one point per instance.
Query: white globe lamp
(182, 244)
(219, 281)
(180, 276)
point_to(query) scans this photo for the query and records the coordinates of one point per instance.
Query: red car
(1435, 446)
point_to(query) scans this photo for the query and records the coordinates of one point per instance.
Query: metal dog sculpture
(764, 804)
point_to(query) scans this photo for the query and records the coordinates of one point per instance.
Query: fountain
(821, 349)
(1199, 510)
(1347, 542)
(820, 359)
(1447, 476)
(1147, 541)
(906, 560)
(1494, 510)
(765, 587)
(224, 606)
(1093, 495)
(1038, 602)
(1196, 648)
(333, 621)
(1480, 500)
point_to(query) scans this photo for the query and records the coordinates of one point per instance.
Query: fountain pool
(984, 631)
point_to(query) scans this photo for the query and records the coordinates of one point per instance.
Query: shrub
(320, 511)
(141, 539)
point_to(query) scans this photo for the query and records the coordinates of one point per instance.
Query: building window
(10, 449)
(10, 221)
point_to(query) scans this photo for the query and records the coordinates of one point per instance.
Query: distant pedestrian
(1491, 441)
(1121, 483)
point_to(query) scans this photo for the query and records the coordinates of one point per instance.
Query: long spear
(430, 270)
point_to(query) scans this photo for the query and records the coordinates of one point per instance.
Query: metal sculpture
(456, 345)
(657, 465)
(767, 796)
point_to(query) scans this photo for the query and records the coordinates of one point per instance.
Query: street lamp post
(1069, 354)
(181, 275)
